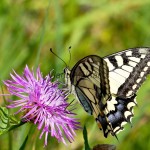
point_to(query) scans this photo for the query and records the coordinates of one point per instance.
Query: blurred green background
(29, 28)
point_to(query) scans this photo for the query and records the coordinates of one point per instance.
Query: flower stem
(10, 140)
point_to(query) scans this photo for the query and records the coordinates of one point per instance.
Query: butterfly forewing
(91, 81)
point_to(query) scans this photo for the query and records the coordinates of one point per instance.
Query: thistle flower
(42, 103)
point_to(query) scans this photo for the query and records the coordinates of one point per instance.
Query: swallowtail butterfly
(106, 87)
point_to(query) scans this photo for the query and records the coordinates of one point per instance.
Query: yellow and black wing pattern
(91, 81)
(106, 87)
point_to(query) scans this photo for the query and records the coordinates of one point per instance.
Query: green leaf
(8, 122)
(87, 147)
(24, 143)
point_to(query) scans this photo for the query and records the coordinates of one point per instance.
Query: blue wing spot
(84, 101)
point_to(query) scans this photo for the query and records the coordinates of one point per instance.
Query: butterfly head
(67, 78)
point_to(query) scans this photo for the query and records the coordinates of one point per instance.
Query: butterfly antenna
(69, 54)
(58, 57)
(116, 137)
(70, 103)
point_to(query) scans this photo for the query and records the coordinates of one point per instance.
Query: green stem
(10, 140)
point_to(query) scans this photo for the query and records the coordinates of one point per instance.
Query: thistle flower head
(42, 103)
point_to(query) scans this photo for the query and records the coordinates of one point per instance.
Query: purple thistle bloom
(42, 103)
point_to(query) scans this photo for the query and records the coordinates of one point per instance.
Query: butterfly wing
(106, 87)
(91, 82)
(129, 67)
(127, 71)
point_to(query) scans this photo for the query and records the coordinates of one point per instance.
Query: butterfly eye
(65, 70)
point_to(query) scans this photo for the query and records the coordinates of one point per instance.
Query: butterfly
(106, 87)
